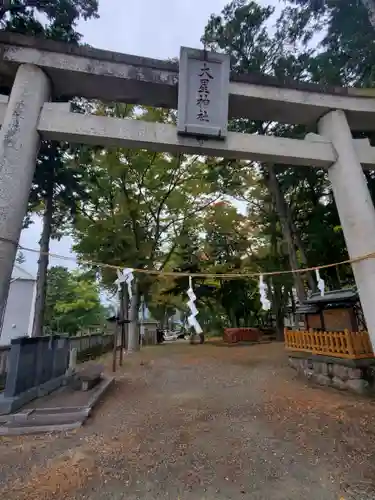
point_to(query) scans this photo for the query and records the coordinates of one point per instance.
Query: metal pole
(122, 317)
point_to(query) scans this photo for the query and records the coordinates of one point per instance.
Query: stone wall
(351, 375)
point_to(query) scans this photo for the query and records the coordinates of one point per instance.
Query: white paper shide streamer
(192, 320)
(266, 304)
(126, 276)
(320, 282)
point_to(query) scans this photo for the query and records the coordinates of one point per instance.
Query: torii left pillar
(19, 145)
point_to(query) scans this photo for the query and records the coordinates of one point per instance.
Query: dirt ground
(203, 422)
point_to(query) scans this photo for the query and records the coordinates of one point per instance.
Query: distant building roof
(343, 295)
(307, 309)
(20, 274)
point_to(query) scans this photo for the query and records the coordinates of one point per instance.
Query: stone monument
(37, 366)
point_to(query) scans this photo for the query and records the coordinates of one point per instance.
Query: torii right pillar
(355, 208)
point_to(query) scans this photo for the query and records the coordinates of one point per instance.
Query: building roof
(307, 309)
(343, 295)
(19, 273)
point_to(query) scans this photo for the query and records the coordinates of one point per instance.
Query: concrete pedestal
(19, 144)
(355, 208)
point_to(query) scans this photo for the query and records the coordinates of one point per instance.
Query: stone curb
(55, 419)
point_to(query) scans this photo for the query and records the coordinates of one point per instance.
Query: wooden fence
(89, 341)
(346, 344)
(82, 344)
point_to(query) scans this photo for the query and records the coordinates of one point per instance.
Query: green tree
(307, 227)
(72, 302)
(140, 204)
(345, 56)
(221, 244)
(227, 249)
(242, 32)
(60, 17)
(346, 51)
(58, 189)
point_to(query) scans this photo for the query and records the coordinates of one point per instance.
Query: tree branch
(132, 213)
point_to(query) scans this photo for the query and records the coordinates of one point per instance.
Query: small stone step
(53, 416)
(39, 420)
(15, 429)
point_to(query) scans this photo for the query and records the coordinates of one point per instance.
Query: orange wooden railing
(346, 344)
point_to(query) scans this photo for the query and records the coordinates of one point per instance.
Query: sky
(149, 28)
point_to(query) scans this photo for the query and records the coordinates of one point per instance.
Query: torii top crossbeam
(111, 76)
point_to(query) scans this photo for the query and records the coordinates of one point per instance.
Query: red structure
(233, 335)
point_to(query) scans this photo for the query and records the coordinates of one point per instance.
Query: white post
(72, 361)
(19, 144)
(142, 325)
(355, 208)
(32, 311)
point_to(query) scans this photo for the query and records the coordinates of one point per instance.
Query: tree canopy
(159, 211)
(72, 302)
(198, 214)
(55, 19)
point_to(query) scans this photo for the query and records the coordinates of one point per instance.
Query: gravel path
(203, 422)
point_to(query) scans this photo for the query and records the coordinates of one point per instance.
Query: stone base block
(338, 383)
(51, 385)
(333, 373)
(12, 404)
(320, 358)
(359, 386)
(322, 379)
(354, 373)
(340, 371)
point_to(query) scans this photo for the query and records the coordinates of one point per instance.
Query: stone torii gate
(39, 71)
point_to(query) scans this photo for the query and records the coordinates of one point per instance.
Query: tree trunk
(121, 317)
(164, 320)
(41, 280)
(133, 335)
(338, 276)
(299, 245)
(279, 327)
(278, 310)
(125, 307)
(293, 302)
(289, 232)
